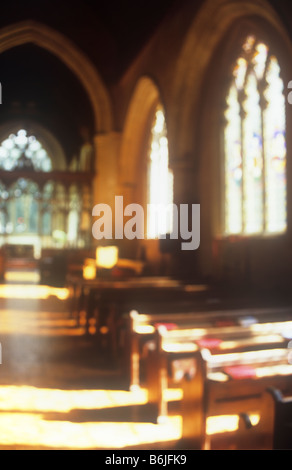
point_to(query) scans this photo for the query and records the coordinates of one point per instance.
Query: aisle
(55, 390)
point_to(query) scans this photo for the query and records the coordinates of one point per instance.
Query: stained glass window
(23, 207)
(74, 209)
(233, 164)
(46, 211)
(35, 207)
(22, 149)
(160, 180)
(255, 144)
(252, 152)
(275, 149)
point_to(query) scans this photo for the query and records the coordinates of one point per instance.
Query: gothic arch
(134, 164)
(213, 21)
(54, 42)
(145, 98)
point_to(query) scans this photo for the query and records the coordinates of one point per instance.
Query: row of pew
(228, 365)
(101, 304)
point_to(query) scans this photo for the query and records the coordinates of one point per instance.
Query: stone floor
(56, 390)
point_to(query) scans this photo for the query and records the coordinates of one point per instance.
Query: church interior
(146, 225)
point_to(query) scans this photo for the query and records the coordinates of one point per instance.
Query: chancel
(145, 227)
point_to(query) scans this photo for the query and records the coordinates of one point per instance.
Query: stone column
(186, 191)
(107, 147)
(105, 182)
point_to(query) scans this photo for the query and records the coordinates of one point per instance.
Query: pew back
(213, 327)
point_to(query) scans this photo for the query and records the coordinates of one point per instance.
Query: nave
(60, 388)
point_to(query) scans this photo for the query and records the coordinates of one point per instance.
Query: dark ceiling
(38, 86)
(110, 32)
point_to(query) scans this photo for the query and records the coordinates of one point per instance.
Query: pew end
(280, 407)
(243, 423)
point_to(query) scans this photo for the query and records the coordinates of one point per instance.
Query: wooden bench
(141, 328)
(242, 423)
(228, 379)
(171, 354)
(129, 293)
(223, 393)
(104, 302)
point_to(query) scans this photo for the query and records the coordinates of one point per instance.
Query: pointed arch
(47, 38)
(135, 169)
(255, 143)
(208, 29)
(141, 109)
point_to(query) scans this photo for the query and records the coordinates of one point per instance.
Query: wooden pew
(142, 328)
(222, 382)
(242, 396)
(128, 293)
(280, 407)
(244, 424)
(171, 354)
(105, 301)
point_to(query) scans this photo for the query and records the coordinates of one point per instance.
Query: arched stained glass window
(255, 146)
(21, 150)
(160, 180)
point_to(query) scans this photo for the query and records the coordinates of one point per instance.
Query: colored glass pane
(160, 181)
(233, 164)
(252, 160)
(275, 150)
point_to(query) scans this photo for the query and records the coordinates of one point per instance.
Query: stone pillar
(186, 185)
(105, 184)
(186, 191)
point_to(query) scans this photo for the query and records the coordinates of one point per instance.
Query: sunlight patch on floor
(30, 429)
(26, 424)
(26, 398)
(39, 323)
(22, 291)
(55, 329)
(22, 276)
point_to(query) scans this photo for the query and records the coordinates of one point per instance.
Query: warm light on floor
(22, 276)
(40, 323)
(23, 419)
(22, 291)
(33, 430)
(26, 423)
(226, 423)
(26, 398)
